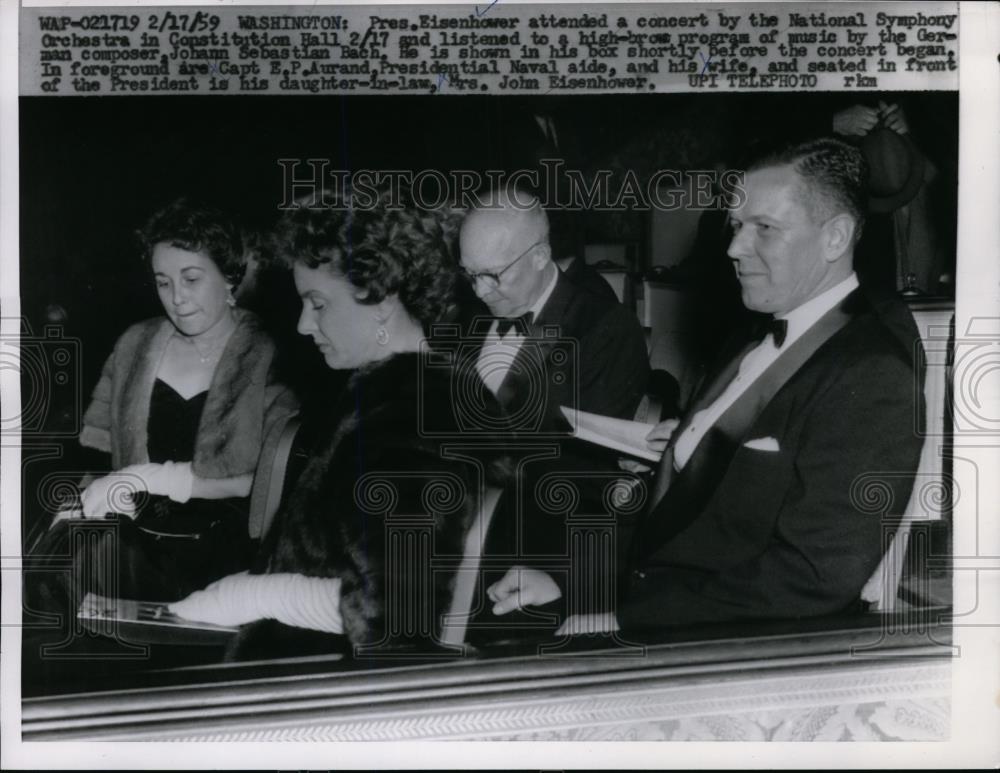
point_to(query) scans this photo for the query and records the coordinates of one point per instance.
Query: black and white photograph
(480, 410)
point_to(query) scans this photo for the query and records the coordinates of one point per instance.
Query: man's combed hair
(190, 226)
(382, 244)
(836, 176)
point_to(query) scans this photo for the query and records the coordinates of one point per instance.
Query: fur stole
(385, 504)
(242, 401)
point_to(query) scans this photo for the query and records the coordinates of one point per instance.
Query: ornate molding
(882, 698)
(871, 703)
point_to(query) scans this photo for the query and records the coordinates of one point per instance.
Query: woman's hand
(522, 587)
(112, 493)
(115, 493)
(292, 599)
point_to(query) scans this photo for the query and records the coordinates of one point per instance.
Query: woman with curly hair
(183, 405)
(367, 543)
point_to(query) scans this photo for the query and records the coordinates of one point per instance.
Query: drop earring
(381, 335)
(230, 300)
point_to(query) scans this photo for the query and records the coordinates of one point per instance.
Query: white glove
(292, 599)
(169, 479)
(115, 493)
(111, 494)
(595, 622)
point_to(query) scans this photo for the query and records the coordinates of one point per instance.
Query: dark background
(93, 169)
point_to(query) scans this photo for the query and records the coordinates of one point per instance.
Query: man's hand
(576, 625)
(628, 464)
(855, 121)
(522, 587)
(656, 440)
(660, 435)
(893, 117)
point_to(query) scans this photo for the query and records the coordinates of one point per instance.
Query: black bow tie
(777, 328)
(522, 323)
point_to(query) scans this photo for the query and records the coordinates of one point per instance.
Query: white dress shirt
(498, 353)
(758, 360)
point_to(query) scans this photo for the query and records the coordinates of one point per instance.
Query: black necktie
(522, 323)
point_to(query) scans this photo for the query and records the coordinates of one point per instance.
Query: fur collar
(231, 426)
(397, 444)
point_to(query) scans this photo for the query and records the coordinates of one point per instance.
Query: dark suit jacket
(744, 533)
(587, 351)
(597, 362)
(589, 278)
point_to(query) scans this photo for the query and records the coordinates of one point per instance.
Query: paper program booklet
(145, 621)
(629, 437)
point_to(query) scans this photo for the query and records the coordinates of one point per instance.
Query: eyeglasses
(492, 278)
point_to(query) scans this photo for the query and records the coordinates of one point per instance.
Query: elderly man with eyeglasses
(506, 258)
(548, 342)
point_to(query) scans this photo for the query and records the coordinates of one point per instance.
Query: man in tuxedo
(539, 315)
(544, 343)
(764, 502)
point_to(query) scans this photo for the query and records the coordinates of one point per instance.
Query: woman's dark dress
(170, 549)
(179, 548)
(167, 552)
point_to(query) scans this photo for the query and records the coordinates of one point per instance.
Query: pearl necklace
(211, 352)
(214, 348)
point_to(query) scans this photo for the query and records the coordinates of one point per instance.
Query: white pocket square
(763, 444)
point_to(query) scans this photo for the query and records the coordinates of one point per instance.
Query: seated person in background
(506, 258)
(902, 247)
(182, 406)
(582, 274)
(595, 362)
(371, 280)
(756, 510)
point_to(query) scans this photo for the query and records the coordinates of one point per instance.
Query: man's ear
(541, 256)
(838, 236)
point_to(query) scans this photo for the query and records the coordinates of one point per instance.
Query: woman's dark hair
(196, 228)
(380, 241)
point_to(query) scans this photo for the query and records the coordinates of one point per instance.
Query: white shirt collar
(539, 304)
(803, 317)
(756, 362)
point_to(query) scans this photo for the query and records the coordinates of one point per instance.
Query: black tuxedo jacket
(583, 351)
(787, 517)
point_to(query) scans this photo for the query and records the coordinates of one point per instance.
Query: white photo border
(976, 672)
